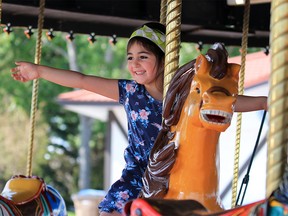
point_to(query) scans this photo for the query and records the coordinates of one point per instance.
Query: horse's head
(213, 90)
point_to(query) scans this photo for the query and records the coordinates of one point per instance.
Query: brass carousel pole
(163, 12)
(173, 32)
(278, 98)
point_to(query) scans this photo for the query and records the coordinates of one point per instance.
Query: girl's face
(142, 64)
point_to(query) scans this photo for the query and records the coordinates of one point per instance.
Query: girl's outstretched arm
(250, 103)
(25, 71)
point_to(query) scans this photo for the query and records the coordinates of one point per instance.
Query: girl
(142, 99)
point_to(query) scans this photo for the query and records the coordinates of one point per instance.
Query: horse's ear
(235, 69)
(201, 61)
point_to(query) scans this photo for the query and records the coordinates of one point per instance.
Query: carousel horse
(23, 196)
(182, 177)
(200, 111)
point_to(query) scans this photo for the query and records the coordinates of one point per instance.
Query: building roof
(257, 68)
(84, 96)
(89, 104)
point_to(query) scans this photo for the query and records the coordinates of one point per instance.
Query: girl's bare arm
(25, 71)
(250, 103)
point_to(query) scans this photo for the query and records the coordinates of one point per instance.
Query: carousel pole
(173, 32)
(163, 11)
(278, 100)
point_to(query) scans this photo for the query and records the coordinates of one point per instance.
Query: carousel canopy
(207, 21)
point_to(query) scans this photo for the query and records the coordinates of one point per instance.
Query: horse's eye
(198, 90)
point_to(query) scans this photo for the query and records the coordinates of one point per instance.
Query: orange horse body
(206, 112)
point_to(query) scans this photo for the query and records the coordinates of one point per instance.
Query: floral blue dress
(144, 115)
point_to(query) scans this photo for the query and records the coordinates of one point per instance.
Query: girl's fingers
(14, 70)
(15, 73)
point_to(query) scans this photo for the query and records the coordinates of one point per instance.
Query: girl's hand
(25, 71)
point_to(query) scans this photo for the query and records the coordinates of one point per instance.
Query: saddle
(22, 189)
(166, 207)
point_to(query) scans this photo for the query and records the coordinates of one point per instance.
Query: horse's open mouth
(216, 116)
